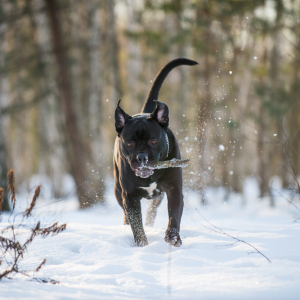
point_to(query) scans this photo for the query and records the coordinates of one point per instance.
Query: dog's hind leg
(152, 210)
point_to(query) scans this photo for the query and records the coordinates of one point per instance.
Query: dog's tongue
(143, 173)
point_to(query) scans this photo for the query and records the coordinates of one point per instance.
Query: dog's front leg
(175, 207)
(134, 215)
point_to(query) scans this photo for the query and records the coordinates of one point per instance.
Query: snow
(95, 257)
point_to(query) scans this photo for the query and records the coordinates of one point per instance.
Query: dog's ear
(120, 118)
(161, 114)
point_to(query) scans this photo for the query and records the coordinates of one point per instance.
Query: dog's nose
(142, 158)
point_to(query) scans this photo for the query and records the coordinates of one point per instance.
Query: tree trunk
(3, 170)
(204, 111)
(79, 155)
(3, 152)
(293, 145)
(274, 74)
(261, 149)
(96, 107)
(113, 54)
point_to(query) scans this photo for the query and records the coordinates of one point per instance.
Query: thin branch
(220, 231)
(18, 107)
(286, 151)
(288, 200)
(258, 142)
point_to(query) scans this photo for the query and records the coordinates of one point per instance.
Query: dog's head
(143, 139)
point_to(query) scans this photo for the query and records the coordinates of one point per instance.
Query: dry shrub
(12, 250)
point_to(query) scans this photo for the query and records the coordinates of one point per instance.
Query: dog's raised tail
(150, 105)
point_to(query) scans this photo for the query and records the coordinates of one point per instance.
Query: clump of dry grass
(12, 250)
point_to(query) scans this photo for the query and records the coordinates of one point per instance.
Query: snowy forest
(236, 115)
(64, 65)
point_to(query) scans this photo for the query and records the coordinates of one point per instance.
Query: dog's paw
(141, 242)
(172, 237)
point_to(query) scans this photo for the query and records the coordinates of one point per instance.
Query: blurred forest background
(65, 63)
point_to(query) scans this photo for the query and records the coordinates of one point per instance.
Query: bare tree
(79, 154)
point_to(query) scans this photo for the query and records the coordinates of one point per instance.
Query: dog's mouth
(143, 173)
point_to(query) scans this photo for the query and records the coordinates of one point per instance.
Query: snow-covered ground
(95, 257)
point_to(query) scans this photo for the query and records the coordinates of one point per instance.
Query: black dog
(143, 140)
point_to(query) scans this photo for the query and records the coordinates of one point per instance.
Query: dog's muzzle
(143, 171)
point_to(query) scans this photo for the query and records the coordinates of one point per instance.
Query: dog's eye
(153, 142)
(129, 144)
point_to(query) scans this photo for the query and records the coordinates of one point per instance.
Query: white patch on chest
(150, 189)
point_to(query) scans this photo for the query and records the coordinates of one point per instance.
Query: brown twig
(53, 229)
(41, 264)
(173, 163)
(32, 204)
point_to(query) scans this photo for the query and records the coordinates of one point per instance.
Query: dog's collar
(168, 144)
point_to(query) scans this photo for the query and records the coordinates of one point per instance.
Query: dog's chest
(151, 190)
